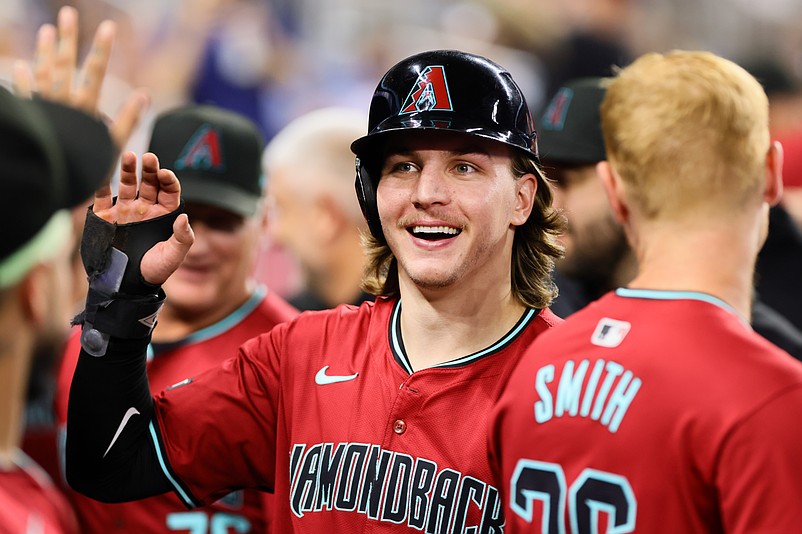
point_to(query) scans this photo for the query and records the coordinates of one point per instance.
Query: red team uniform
(327, 407)
(30, 502)
(651, 411)
(239, 511)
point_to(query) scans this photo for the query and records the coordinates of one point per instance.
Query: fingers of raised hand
(128, 117)
(103, 203)
(165, 257)
(127, 191)
(43, 60)
(66, 55)
(157, 193)
(159, 186)
(22, 79)
(87, 94)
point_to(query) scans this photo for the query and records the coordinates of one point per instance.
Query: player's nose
(430, 187)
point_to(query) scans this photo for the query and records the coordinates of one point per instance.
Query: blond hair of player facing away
(657, 408)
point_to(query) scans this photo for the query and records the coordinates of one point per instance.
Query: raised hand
(54, 72)
(157, 194)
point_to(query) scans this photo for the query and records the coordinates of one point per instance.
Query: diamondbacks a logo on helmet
(554, 116)
(202, 151)
(430, 92)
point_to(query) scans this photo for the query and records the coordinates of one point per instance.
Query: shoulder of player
(548, 318)
(344, 320)
(276, 308)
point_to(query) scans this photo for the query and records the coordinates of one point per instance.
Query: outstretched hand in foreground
(159, 193)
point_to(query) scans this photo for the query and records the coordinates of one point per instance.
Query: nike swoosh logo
(321, 378)
(128, 415)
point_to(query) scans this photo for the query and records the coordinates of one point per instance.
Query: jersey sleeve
(218, 429)
(759, 468)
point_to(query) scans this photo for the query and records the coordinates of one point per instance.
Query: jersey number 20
(592, 493)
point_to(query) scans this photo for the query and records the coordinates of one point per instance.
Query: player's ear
(526, 190)
(774, 176)
(614, 188)
(35, 294)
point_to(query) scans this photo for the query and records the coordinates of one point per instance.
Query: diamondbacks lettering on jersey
(591, 398)
(390, 486)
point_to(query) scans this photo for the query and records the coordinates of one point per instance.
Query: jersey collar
(655, 294)
(400, 355)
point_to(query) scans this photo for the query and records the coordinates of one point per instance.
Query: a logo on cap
(430, 92)
(554, 116)
(202, 151)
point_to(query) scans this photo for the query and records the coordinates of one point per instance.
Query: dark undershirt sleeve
(110, 452)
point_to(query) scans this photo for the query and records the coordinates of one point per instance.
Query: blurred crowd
(274, 60)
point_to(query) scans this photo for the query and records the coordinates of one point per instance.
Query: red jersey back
(31, 502)
(238, 511)
(326, 409)
(651, 411)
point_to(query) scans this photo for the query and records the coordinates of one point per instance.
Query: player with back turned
(657, 408)
(360, 419)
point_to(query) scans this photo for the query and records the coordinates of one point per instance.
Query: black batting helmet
(440, 90)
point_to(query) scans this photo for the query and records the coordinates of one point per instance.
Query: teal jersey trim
(221, 326)
(156, 445)
(655, 294)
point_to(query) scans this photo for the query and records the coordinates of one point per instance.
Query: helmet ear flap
(366, 194)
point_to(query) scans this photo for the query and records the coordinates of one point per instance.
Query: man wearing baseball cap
(214, 305)
(598, 257)
(52, 159)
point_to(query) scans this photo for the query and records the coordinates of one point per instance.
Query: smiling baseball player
(360, 419)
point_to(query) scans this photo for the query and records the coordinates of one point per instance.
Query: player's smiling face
(448, 204)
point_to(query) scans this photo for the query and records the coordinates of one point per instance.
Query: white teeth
(435, 230)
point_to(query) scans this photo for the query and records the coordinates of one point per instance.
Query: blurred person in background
(34, 282)
(56, 152)
(214, 306)
(777, 275)
(598, 257)
(313, 210)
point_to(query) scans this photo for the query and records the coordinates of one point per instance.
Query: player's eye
(399, 167)
(464, 168)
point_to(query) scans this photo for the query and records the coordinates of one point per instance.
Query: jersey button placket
(399, 426)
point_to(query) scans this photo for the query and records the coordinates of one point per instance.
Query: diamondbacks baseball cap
(570, 127)
(52, 158)
(215, 153)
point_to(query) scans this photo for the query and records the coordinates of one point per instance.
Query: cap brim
(88, 149)
(431, 121)
(203, 191)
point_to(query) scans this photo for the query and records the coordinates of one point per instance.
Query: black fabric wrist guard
(120, 302)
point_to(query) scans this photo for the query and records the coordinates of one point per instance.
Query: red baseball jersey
(326, 410)
(31, 502)
(238, 511)
(651, 411)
